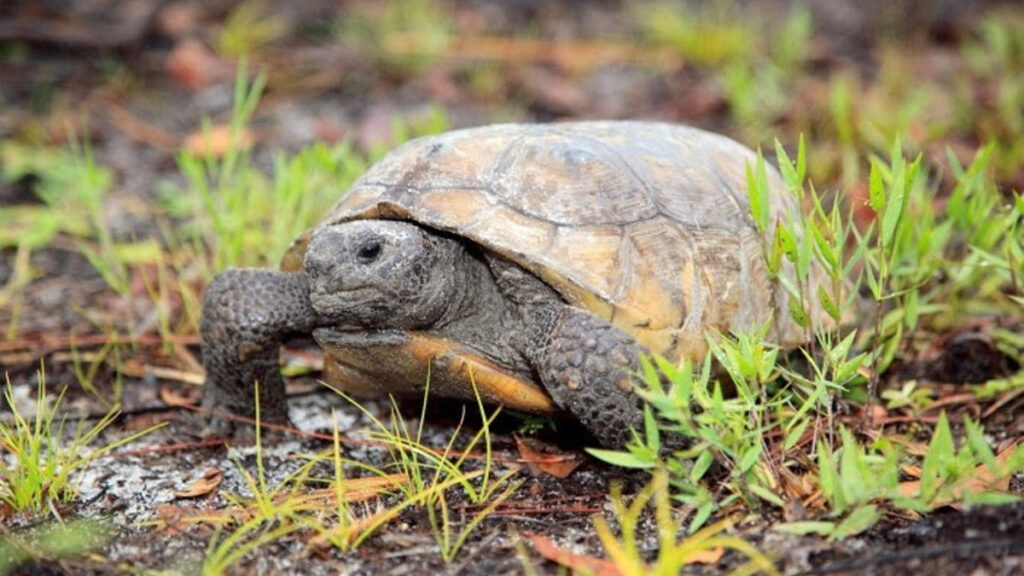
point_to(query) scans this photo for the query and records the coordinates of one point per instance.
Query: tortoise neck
(474, 295)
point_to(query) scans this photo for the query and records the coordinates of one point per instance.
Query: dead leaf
(328, 130)
(217, 141)
(911, 471)
(173, 396)
(194, 66)
(322, 540)
(206, 484)
(138, 423)
(796, 487)
(6, 510)
(557, 465)
(575, 562)
(139, 370)
(356, 490)
(711, 556)
(170, 513)
(876, 414)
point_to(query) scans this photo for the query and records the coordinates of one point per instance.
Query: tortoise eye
(370, 251)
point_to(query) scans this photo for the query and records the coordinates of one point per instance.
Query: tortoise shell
(645, 224)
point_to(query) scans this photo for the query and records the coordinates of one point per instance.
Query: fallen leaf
(877, 414)
(911, 471)
(139, 370)
(575, 562)
(350, 531)
(204, 485)
(194, 66)
(217, 141)
(6, 510)
(328, 130)
(557, 465)
(710, 556)
(170, 513)
(173, 520)
(796, 487)
(139, 422)
(356, 490)
(173, 396)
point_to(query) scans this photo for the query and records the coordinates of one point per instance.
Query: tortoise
(531, 265)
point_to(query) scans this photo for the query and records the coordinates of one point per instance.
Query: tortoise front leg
(246, 315)
(586, 365)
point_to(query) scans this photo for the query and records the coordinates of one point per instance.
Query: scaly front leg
(247, 314)
(587, 365)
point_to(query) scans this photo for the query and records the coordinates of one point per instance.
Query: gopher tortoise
(531, 265)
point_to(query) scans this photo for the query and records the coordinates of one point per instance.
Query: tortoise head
(382, 273)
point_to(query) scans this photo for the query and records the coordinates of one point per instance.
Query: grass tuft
(51, 542)
(38, 466)
(672, 555)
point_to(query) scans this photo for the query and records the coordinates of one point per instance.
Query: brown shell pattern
(645, 224)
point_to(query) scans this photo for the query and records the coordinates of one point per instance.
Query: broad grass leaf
(805, 528)
(858, 521)
(621, 459)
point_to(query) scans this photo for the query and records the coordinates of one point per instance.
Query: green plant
(248, 28)
(270, 513)
(778, 405)
(673, 554)
(859, 477)
(86, 375)
(52, 541)
(994, 57)
(432, 474)
(42, 464)
(405, 36)
(74, 189)
(759, 87)
(693, 410)
(239, 216)
(709, 35)
(756, 64)
(68, 181)
(907, 396)
(418, 477)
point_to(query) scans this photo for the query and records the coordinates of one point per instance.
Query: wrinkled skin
(375, 275)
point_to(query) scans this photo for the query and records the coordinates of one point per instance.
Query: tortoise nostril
(315, 268)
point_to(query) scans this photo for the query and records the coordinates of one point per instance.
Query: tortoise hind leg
(586, 365)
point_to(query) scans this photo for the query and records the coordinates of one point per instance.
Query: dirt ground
(146, 72)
